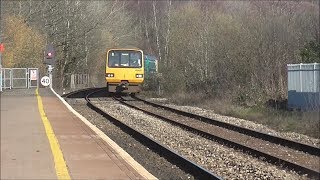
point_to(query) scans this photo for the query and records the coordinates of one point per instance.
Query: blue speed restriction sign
(45, 81)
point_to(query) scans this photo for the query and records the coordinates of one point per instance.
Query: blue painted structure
(304, 86)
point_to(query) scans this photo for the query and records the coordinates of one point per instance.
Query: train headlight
(139, 75)
(110, 75)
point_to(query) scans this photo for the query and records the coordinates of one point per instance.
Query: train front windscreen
(122, 59)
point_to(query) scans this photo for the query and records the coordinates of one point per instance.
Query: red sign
(1, 47)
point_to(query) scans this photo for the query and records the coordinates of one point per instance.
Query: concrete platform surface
(25, 148)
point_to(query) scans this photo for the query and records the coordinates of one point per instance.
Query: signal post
(49, 60)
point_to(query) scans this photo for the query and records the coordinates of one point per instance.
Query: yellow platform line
(59, 162)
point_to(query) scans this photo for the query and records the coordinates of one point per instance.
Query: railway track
(302, 158)
(296, 156)
(185, 164)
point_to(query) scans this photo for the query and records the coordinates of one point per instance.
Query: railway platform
(42, 138)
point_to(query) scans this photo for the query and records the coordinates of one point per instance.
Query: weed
(307, 123)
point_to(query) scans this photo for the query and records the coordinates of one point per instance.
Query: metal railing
(19, 78)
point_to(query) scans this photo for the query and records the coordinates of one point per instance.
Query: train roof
(152, 57)
(124, 48)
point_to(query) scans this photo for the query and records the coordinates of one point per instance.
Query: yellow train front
(124, 70)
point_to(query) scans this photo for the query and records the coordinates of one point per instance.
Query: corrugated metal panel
(304, 86)
(317, 77)
(307, 78)
(294, 77)
(304, 77)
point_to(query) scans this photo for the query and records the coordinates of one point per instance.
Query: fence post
(28, 79)
(87, 80)
(4, 78)
(314, 77)
(38, 77)
(11, 79)
(72, 85)
(0, 77)
(300, 74)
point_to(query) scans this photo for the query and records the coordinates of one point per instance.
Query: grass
(307, 123)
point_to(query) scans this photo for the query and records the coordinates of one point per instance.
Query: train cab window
(135, 59)
(125, 59)
(113, 60)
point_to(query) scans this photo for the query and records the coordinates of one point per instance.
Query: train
(150, 65)
(126, 69)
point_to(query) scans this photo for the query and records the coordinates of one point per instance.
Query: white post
(0, 72)
(300, 74)
(72, 83)
(28, 78)
(11, 83)
(314, 77)
(38, 78)
(0, 52)
(50, 68)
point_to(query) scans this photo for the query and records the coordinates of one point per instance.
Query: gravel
(225, 162)
(242, 123)
(274, 149)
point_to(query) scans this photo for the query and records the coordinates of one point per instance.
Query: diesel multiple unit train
(126, 69)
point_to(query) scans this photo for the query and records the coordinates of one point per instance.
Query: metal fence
(6, 78)
(19, 78)
(304, 86)
(76, 81)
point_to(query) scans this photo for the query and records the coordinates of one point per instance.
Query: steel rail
(81, 93)
(185, 164)
(313, 150)
(253, 152)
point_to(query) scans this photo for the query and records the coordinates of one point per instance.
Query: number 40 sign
(45, 81)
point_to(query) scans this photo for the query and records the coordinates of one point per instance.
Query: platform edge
(61, 168)
(123, 154)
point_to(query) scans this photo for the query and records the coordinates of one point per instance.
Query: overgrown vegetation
(311, 52)
(307, 123)
(23, 44)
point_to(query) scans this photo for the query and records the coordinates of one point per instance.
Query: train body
(124, 70)
(150, 65)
